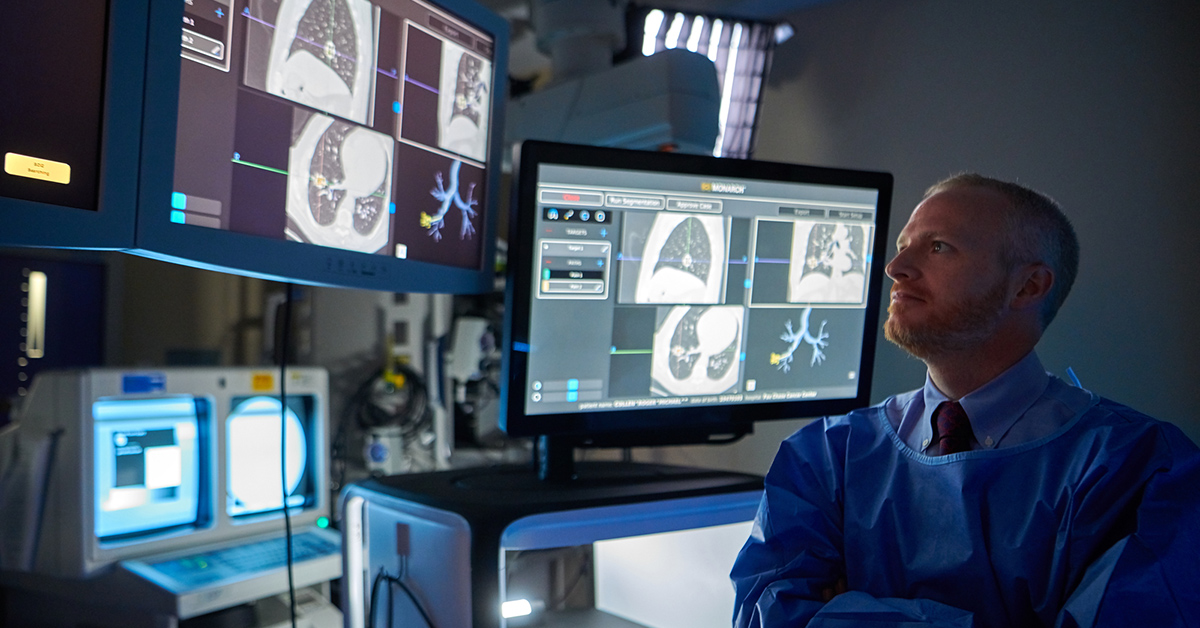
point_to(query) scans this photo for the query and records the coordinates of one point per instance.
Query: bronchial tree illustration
(449, 196)
(784, 361)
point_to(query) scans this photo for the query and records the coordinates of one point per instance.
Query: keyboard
(247, 559)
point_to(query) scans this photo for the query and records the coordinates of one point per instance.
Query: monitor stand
(554, 456)
(554, 459)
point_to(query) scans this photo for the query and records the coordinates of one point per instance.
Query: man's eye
(938, 247)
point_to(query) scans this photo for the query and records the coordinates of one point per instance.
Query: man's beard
(965, 325)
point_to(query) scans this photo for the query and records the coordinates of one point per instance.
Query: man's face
(951, 289)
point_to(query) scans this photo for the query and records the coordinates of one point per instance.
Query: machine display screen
(254, 468)
(669, 283)
(362, 126)
(148, 459)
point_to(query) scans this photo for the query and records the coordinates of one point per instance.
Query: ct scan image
(828, 263)
(463, 102)
(697, 351)
(680, 258)
(318, 53)
(339, 184)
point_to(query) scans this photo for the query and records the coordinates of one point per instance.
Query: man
(996, 495)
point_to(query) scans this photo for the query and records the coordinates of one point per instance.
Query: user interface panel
(357, 125)
(655, 289)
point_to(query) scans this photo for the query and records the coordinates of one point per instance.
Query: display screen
(668, 282)
(362, 126)
(148, 464)
(255, 471)
(52, 103)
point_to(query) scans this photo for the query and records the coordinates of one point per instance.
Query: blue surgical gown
(1094, 525)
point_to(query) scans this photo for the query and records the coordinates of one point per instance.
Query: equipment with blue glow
(167, 484)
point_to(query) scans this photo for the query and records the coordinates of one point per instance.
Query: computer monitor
(70, 122)
(658, 298)
(354, 143)
(149, 465)
(145, 462)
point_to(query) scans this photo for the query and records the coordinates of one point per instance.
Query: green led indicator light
(545, 273)
(323, 522)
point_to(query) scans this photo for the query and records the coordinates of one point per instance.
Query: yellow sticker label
(36, 168)
(262, 382)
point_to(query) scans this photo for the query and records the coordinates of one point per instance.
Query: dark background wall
(1096, 104)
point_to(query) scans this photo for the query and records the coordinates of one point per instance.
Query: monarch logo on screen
(722, 187)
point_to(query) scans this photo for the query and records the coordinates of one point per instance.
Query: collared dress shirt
(1007, 411)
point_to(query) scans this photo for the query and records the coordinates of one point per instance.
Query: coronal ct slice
(828, 263)
(683, 261)
(323, 55)
(339, 185)
(696, 350)
(465, 85)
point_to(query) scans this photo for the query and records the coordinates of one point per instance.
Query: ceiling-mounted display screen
(342, 142)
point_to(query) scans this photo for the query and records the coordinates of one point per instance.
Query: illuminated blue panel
(137, 383)
(125, 409)
(147, 465)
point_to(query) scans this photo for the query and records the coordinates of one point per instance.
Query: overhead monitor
(665, 298)
(70, 118)
(352, 143)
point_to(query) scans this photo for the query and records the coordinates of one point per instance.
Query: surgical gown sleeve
(1149, 578)
(795, 546)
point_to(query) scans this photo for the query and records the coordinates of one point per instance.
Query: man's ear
(1034, 282)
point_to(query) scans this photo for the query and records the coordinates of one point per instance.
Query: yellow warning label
(262, 382)
(37, 168)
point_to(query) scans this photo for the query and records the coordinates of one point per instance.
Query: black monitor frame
(659, 426)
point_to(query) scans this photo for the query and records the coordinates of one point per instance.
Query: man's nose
(900, 267)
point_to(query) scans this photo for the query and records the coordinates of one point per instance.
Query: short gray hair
(1038, 231)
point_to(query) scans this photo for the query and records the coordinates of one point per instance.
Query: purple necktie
(952, 429)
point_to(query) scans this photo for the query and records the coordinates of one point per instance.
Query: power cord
(394, 581)
(284, 345)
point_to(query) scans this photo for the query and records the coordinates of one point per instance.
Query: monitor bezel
(670, 425)
(280, 260)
